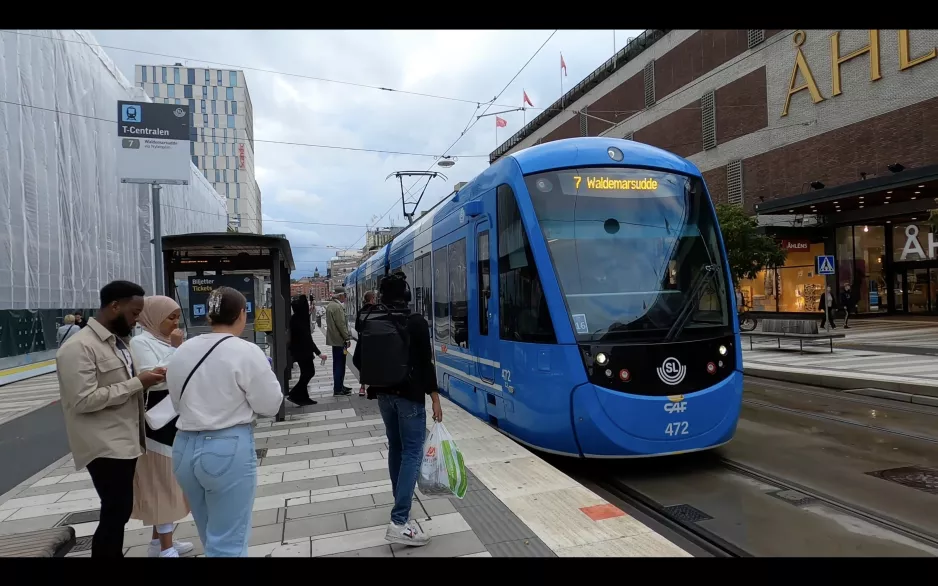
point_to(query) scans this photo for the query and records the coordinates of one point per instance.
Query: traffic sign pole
(158, 287)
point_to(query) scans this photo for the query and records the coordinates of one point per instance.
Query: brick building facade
(804, 125)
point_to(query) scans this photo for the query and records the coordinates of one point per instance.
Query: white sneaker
(409, 534)
(179, 548)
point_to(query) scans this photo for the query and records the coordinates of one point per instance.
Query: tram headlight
(722, 350)
(602, 359)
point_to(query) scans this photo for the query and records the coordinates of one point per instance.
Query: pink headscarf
(156, 309)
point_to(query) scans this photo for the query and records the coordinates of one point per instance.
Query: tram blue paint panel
(464, 395)
(587, 152)
(600, 416)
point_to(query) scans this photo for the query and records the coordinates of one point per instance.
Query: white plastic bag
(442, 472)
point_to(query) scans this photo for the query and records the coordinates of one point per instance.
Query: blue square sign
(198, 310)
(825, 264)
(132, 113)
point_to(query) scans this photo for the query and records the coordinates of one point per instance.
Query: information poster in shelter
(201, 287)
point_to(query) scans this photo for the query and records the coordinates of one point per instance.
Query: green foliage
(749, 251)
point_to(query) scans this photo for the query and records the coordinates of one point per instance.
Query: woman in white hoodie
(158, 498)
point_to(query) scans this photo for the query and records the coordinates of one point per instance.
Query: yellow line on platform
(27, 367)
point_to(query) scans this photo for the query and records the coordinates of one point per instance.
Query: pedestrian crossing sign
(825, 264)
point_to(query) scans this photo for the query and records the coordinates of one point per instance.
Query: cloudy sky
(312, 186)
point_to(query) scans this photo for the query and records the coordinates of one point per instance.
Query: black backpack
(384, 347)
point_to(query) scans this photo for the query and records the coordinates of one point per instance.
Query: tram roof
(591, 151)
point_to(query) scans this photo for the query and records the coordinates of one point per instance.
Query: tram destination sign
(153, 143)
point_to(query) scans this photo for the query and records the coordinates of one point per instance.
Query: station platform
(323, 491)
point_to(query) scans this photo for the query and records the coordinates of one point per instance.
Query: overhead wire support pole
(497, 113)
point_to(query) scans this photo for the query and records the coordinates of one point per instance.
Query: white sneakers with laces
(409, 534)
(179, 548)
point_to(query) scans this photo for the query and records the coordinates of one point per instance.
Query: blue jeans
(217, 471)
(405, 423)
(338, 368)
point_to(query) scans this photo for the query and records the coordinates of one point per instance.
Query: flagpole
(561, 81)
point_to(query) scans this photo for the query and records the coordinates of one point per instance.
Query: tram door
(485, 310)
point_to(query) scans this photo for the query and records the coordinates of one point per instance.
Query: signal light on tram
(722, 350)
(601, 359)
(711, 368)
(624, 375)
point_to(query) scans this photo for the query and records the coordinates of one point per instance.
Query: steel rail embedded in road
(857, 511)
(844, 396)
(834, 418)
(693, 533)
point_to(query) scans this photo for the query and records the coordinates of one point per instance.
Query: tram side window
(409, 272)
(458, 285)
(441, 296)
(416, 286)
(523, 313)
(427, 281)
(485, 285)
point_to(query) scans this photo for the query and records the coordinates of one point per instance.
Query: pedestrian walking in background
(827, 304)
(158, 498)
(303, 351)
(848, 303)
(369, 299)
(102, 398)
(339, 339)
(67, 330)
(80, 319)
(218, 395)
(403, 404)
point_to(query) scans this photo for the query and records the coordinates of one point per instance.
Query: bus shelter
(258, 266)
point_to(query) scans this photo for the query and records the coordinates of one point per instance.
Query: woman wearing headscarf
(303, 350)
(158, 499)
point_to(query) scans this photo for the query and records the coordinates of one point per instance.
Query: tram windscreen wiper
(690, 304)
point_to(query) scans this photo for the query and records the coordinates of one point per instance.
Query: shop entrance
(916, 287)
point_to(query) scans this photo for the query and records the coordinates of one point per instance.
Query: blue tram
(579, 297)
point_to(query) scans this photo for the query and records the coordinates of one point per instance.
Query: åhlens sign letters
(153, 143)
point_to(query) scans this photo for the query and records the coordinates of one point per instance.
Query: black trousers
(114, 481)
(307, 372)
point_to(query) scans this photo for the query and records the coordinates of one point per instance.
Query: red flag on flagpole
(527, 100)
(563, 65)
(499, 123)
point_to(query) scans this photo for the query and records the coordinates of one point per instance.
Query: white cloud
(330, 186)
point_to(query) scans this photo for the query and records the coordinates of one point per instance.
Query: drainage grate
(261, 453)
(686, 513)
(793, 497)
(82, 544)
(80, 517)
(917, 477)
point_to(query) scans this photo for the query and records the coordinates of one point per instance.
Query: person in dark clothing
(403, 409)
(847, 303)
(369, 303)
(303, 351)
(827, 304)
(80, 319)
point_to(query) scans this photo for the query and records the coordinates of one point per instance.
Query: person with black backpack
(368, 304)
(395, 360)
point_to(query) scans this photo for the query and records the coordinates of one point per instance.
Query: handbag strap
(210, 350)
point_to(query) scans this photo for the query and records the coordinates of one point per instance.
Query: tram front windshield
(631, 249)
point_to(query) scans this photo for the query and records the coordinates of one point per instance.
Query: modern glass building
(222, 131)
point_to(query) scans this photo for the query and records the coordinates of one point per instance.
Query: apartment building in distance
(221, 131)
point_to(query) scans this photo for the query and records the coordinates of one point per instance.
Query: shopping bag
(442, 471)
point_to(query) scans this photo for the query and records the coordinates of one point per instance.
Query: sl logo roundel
(671, 372)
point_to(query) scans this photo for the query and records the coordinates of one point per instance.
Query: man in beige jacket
(104, 411)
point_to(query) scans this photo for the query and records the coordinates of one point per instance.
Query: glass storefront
(860, 262)
(792, 288)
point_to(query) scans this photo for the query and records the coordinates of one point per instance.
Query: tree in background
(747, 250)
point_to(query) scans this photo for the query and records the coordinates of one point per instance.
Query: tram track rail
(852, 509)
(702, 538)
(836, 419)
(844, 396)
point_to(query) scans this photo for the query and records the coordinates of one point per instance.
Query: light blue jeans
(405, 423)
(217, 471)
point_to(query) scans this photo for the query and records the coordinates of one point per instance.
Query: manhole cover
(262, 453)
(686, 513)
(924, 479)
(82, 544)
(793, 497)
(80, 517)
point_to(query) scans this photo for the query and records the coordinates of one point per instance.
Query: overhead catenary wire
(178, 58)
(472, 122)
(282, 142)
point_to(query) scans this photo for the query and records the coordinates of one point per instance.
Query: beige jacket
(103, 404)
